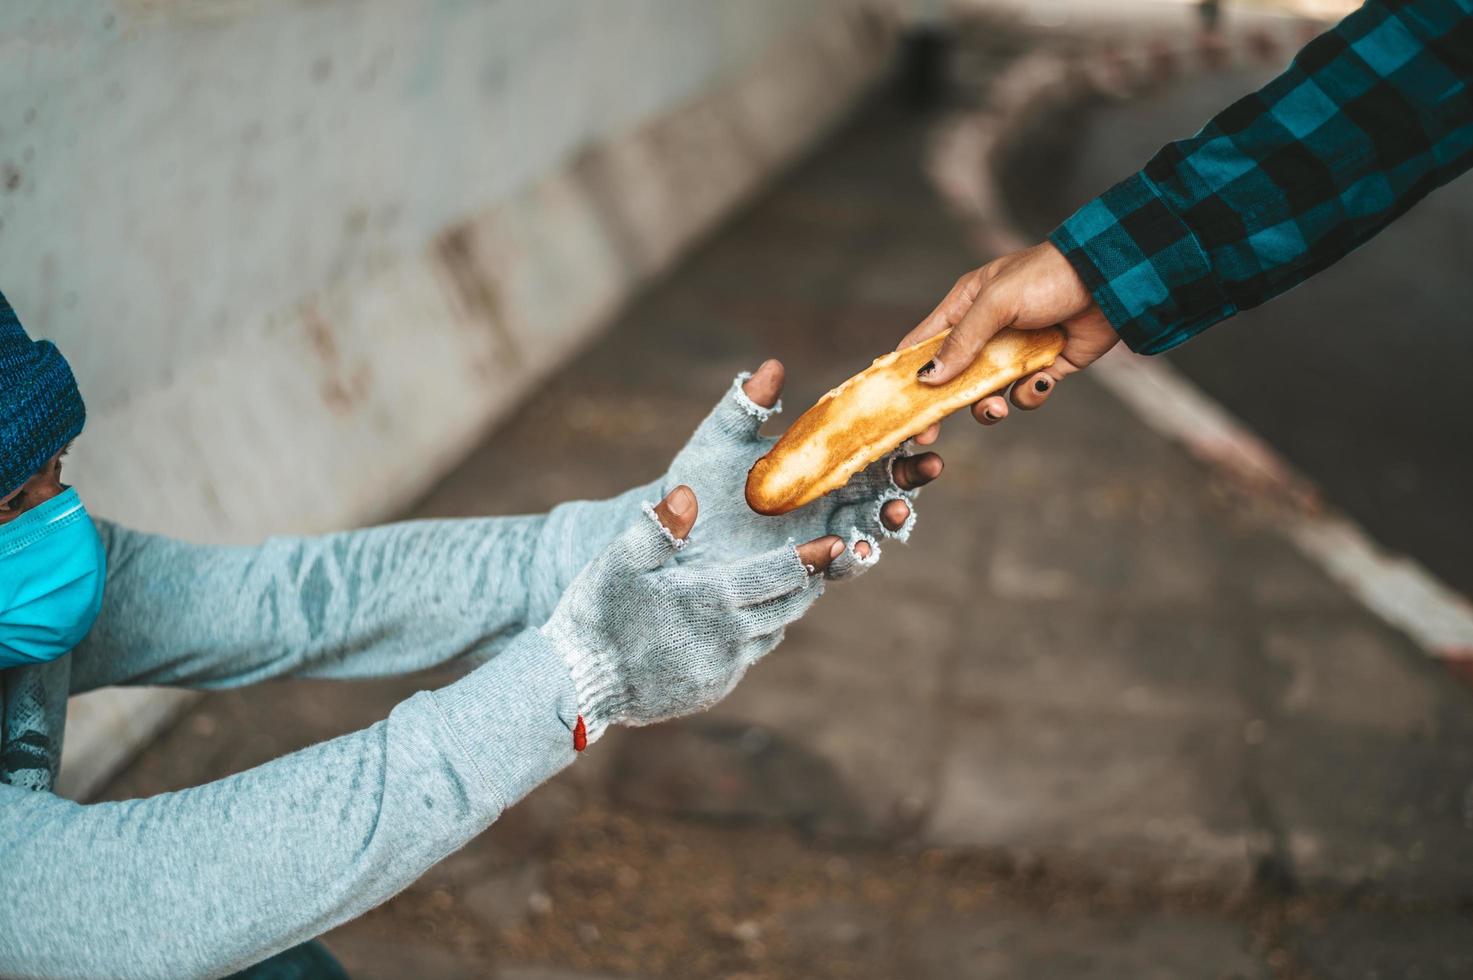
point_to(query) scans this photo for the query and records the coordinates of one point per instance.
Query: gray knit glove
(715, 463)
(646, 640)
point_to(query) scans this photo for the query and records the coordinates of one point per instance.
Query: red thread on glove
(580, 736)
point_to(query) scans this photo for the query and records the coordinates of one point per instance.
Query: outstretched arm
(385, 600)
(1368, 119)
(208, 880)
(409, 596)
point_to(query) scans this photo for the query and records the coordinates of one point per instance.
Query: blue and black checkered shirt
(1368, 119)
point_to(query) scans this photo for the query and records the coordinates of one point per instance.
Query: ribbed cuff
(600, 697)
(514, 716)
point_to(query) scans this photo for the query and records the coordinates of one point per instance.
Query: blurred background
(1172, 679)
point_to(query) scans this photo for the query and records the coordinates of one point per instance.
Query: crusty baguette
(878, 409)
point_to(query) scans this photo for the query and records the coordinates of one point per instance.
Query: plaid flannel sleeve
(1367, 120)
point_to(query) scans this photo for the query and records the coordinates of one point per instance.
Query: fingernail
(1041, 385)
(927, 369)
(990, 415)
(680, 501)
(834, 551)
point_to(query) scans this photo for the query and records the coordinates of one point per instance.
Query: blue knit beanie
(40, 408)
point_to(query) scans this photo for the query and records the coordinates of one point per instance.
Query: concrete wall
(323, 244)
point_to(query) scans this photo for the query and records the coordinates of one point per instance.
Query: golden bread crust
(878, 409)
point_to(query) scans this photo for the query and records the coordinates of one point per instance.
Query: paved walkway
(1097, 721)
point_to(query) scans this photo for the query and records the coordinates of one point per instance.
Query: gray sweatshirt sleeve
(386, 600)
(409, 596)
(207, 880)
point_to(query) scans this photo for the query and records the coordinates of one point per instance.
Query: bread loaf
(878, 409)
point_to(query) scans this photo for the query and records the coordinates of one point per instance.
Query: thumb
(751, 401)
(962, 344)
(677, 512)
(655, 536)
(766, 384)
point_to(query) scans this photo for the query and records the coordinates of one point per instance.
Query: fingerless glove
(715, 463)
(646, 639)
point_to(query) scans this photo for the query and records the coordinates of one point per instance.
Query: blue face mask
(52, 568)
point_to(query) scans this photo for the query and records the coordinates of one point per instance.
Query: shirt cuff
(513, 717)
(1144, 266)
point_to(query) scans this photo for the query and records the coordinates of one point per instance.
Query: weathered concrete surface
(176, 169)
(1414, 943)
(1097, 720)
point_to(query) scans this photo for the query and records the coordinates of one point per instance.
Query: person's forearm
(385, 600)
(357, 604)
(1368, 119)
(205, 881)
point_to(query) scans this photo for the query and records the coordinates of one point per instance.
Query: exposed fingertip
(1033, 391)
(862, 549)
(914, 472)
(990, 410)
(677, 512)
(766, 383)
(816, 555)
